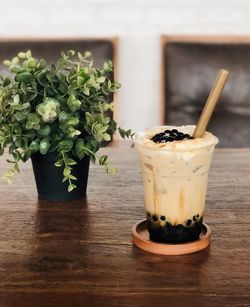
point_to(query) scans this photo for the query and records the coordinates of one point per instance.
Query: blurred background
(139, 25)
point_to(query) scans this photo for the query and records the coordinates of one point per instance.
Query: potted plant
(57, 115)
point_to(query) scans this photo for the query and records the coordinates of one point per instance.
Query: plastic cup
(175, 176)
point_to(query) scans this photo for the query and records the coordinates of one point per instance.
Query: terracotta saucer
(141, 239)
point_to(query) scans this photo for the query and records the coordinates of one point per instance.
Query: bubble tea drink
(175, 171)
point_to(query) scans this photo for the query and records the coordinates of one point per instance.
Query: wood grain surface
(81, 253)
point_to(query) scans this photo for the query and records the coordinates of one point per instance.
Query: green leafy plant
(60, 108)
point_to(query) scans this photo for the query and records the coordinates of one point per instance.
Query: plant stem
(66, 165)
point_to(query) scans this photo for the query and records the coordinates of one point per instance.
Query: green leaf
(66, 171)
(80, 81)
(28, 54)
(12, 148)
(25, 106)
(73, 132)
(113, 170)
(22, 55)
(93, 145)
(15, 60)
(20, 116)
(122, 133)
(102, 128)
(59, 163)
(71, 161)
(103, 159)
(34, 146)
(33, 121)
(71, 187)
(6, 81)
(126, 133)
(41, 78)
(62, 87)
(54, 146)
(106, 120)
(32, 96)
(16, 168)
(18, 141)
(80, 149)
(66, 145)
(89, 118)
(106, 137)
(25, 77)
(16, 99)
(41, 64)
(87, 54)
(49, 109)
(10, 161)
(17, 155)
(80, 56)
(65, 179)
(15, 68)
(24, 88)
(26, 155)
(86, 91)
(73, 103)
(7, 62)
(44, 146)
(105, 66)
(101, 79)
(63, 117)
(72, 121)
(70, 52)
(11, 172)
(44, 131)
(31, 63)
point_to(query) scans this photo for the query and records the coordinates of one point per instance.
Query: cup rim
(190, 145)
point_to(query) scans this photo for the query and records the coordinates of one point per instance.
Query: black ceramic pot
(49, 178)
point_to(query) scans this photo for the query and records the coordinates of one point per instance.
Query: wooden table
(80, 253)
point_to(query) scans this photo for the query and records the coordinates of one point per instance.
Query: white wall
(139, 24)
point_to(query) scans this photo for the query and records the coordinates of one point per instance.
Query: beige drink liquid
(175, 178)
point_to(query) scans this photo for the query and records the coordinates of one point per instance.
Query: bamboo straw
(211, 103)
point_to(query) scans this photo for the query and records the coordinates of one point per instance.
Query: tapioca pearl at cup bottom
(155, 218)
(195, 217)
(168, 233)
(162, 218)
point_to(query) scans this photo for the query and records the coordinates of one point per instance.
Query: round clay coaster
(141, 239)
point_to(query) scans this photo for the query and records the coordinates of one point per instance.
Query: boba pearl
(168, 233)
(170, 136)
(155, 218)
(196, 217)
